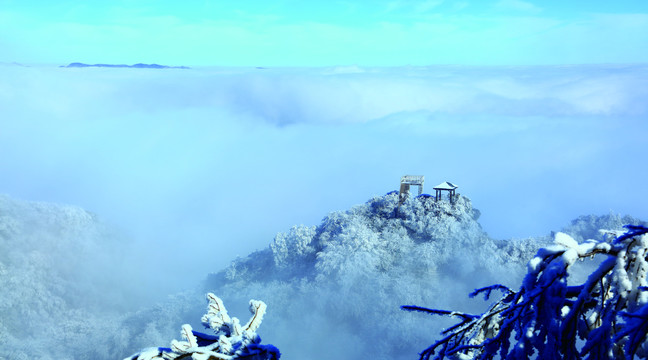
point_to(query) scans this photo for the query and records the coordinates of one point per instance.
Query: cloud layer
(186, 159)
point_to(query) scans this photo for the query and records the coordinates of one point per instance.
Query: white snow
(566, 240)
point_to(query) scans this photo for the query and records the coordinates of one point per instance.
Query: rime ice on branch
(606, 317)
(230, 340)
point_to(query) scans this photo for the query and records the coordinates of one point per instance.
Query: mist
(200, 166)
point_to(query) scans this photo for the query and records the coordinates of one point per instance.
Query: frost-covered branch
(229, 341)
(606, 317)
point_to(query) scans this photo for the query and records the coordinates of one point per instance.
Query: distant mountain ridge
(135, 66)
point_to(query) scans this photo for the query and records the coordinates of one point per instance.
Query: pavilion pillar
(403, 193)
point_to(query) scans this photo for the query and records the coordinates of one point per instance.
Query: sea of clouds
(201, 165)
(174, 173)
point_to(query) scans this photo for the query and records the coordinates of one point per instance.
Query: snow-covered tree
(604, 317)
(230, 340)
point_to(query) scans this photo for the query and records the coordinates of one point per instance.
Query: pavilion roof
(446, 186)
(413, 179)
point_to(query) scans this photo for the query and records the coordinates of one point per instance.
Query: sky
(324, 33)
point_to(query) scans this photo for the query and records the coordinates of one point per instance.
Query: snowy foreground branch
(231, 340)
(606, 317)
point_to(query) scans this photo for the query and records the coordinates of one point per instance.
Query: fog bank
(206, 164)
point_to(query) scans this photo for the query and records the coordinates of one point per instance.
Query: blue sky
(320, 33)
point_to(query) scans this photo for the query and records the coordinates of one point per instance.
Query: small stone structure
(406, 182)
(446, 186)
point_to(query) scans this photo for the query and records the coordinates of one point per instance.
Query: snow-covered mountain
(62, 281)
(332, 290)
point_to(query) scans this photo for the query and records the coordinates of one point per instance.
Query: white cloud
(518, 5)
(428, 5)
(191, 154)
